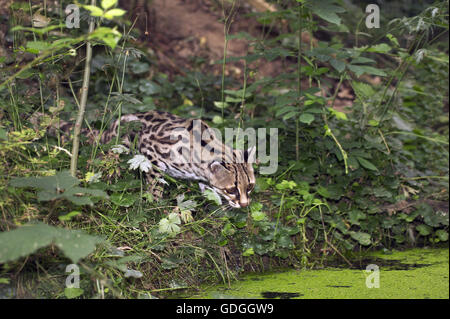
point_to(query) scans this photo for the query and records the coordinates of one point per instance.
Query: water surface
(417, 273)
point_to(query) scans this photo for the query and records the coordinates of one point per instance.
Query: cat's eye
(231, 191)
(250, 187)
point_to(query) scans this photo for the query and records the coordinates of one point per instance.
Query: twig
(384, 141)
(83, 101)
(62, 149)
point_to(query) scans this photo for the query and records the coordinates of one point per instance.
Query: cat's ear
(218, 168)
(220, 175)
(250, 155)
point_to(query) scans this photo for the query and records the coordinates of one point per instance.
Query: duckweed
(412, 274)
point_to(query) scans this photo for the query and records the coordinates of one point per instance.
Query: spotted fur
(168, 141)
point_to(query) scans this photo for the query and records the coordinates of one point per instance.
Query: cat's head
(234, 181)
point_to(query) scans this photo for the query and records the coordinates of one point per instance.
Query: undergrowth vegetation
(370, 176)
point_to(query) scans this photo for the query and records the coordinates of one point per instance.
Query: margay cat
(167, 141)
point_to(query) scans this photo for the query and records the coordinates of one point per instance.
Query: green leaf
(393, 39)
(29, 238)
(362, 238)
(123, 199)
(139, 67)
(185, 204)
(326, 10)
(170, 262)
(170, 224)
(442, 235)
(424, 230)
(39, 31)
(110, 36)
(26, 74)
(256, 207)
(248, 252)
(25, 240)
(323, 192)
(353, 162)
(3, 134)
(38, 45)
(106, 4)
(286, 109)
(284, 241)
(338, 65)
(95, 11)
(228, 230)
(220, 105)
(362, 60)
(72, 293)
(284, 185)
(212, 196)
(149, 88)
(366, 164)
(233, 99)
(430, 217)
(338, 114)
(361, 69)
(59, 182)
(362, 90)
(289, 115)
(379, 48)
(61, 185)
(355, 216)
(306, 118)
(69, 216)
(238, 93)
(323, 54)
(217, 119)
(258, 216)
(381, 192)
(110, 14)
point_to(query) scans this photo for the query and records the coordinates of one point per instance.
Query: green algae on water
(411, 274)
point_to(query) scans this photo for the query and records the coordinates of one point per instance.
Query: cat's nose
(243, 203)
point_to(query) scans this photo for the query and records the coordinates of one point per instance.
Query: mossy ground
(425, 275)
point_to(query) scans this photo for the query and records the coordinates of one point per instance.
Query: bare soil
(183, 32)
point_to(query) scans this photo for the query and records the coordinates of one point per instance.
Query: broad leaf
(106, 4)
(61, 185)
(306, 118)
(361, 69)
(110, 14)
(29, 238)
(362, 238)
(95, 11)
(326, 10)
(338, 65)
(123, 199)
(366, 164)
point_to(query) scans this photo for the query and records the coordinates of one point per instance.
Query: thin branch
(83, 101)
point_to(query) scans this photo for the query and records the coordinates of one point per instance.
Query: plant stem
(226, 30)
(83, 101)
